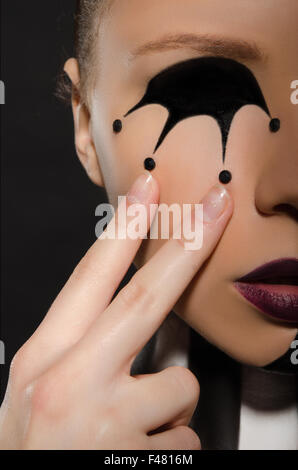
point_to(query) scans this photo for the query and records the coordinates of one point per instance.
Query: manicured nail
(215, 203)
(141, 190)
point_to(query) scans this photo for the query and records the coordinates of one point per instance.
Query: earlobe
(92, 165)
(83, 139)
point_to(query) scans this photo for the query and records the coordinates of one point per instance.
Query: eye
(213, 86)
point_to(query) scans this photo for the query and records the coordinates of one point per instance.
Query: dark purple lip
(281, 271)
(273, 289)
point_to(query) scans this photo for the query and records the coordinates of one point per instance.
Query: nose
(277, 188)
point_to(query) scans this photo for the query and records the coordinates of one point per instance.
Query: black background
(47, 201)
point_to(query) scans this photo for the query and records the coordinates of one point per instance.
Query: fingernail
(141, 190)
(215, 203)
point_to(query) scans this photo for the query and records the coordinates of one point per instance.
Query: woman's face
(138, 40)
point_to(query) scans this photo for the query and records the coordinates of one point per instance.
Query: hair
(87, 18)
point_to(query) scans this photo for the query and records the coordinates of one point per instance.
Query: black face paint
(275, 125)
(149, 164)
(225, 177)
(212, 86)
(117, 126)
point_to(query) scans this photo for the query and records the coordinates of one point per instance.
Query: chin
(234, 326)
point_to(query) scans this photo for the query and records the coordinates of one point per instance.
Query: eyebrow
(210, 45)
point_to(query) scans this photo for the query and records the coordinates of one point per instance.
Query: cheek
(250, 147)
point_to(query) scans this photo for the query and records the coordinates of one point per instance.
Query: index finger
(93, 283)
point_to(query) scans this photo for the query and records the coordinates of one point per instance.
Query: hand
(70, 385)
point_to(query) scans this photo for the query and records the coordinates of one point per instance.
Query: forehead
(125, 64)
(131, 22)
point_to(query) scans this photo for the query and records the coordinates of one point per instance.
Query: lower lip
(278, 301)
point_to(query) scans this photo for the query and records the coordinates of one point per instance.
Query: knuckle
(134, 293)
(48, 398)
(111, 419)
(190, 438)
(41, 397)
(187, 380)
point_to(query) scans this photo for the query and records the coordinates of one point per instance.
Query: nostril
(288, 209)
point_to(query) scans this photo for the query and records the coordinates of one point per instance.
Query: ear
(83, 139)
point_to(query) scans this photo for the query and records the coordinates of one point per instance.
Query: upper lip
(281, 271)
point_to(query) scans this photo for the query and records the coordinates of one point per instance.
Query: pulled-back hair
(86, 27)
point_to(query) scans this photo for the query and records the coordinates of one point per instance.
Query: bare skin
(70, 385)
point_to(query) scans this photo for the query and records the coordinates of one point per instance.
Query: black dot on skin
(225, 177)
(117, 126)
(275, 125)
(149, 164)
